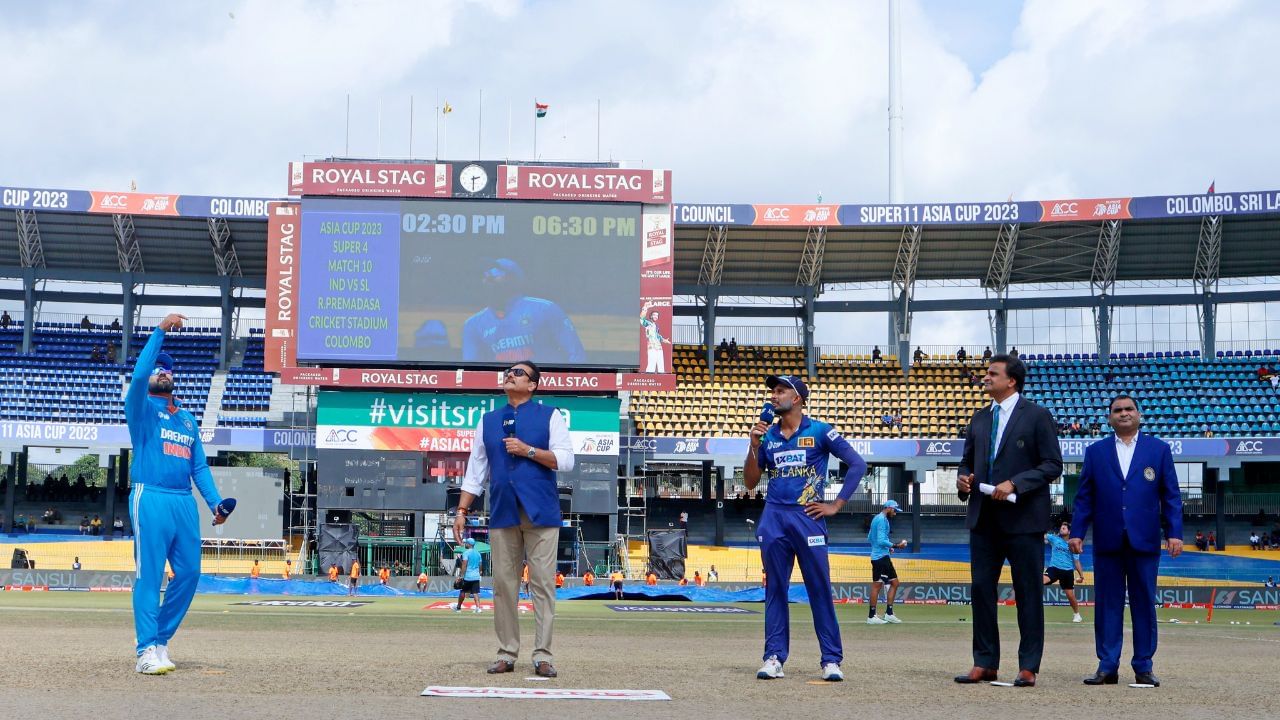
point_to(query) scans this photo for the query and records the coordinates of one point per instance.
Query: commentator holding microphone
(794, 452)
(516, 453)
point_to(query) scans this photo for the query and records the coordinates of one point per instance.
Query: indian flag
(540, 109)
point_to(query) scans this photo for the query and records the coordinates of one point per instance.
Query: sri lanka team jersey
(652, 333)
(530, 329)
(797, 467)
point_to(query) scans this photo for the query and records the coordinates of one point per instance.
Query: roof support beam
(712, 269)
(224, 250)
(996, 282)
(1103, 282)
(127, 249)
(904, 280)
(1208, 261)
(815, 244)
(30, 251)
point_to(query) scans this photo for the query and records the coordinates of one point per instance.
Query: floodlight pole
(895, 103)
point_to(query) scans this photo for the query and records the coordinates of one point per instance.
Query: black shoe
(1101, 678)
(976, 675)
(1025, 678)
(1146, 678)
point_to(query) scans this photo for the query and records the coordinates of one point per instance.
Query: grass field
(70, 655)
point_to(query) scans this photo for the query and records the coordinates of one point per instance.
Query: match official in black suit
(1012, 444)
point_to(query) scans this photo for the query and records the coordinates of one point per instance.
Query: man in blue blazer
(1127, 487)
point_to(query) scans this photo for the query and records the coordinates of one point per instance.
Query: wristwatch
(533, 451)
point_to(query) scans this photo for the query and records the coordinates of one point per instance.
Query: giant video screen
(469, 282)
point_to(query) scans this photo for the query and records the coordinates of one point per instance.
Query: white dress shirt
(1124, 453)
(1006, 412)
(477, 477)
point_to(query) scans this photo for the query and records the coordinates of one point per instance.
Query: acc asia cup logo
(342, 436)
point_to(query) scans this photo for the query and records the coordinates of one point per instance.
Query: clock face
(473, 178)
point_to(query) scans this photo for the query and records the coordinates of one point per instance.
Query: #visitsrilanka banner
(436, 422)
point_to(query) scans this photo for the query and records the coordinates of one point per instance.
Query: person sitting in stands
(1201, 543)
(875, 354)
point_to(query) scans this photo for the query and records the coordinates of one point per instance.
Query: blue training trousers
(166, 526)
(786, 535)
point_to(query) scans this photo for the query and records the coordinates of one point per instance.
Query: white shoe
(831, 673)
(892, 619)
(162, 653)
(877, 620)
(457, 608)
(771, 670)
(1076, 618)
(478, 610)
(149, 663)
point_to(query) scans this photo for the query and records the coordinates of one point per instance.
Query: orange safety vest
(285, 573)
(255, 572)
(333, 573)
(559, 580)
(589, 579)
(384, 574)
(422, 577)
(355, 569)
(650, 579)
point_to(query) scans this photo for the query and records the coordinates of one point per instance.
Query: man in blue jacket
(1127, 487)
(517, 451)
(167, 456)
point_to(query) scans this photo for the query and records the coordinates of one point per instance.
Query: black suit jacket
(1028, 455)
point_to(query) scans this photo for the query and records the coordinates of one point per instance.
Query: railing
(744, 334)
(830, 351)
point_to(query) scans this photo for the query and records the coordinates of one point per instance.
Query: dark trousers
(988, 551)
(1113, 574)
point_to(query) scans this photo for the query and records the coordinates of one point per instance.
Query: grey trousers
(511, 546)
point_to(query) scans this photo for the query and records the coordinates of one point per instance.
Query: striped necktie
(995, 430)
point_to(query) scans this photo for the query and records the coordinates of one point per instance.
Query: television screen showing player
(469, 282)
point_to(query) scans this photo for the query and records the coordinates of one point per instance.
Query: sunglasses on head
(518, 372)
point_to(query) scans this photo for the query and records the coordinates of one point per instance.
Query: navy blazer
(1132, 503)
(1029, 456)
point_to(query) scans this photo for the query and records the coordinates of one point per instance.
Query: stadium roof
(748, 246)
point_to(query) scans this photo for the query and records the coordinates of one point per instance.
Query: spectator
(47, 518)
(1014, 352)
(117, 526)
(1254, 541)
(722, 350)
(84, 524)
(75, 565)
(684, 521)
(1213, 540)
(961, 355)
(115, 324)
(85, 324)
(96, 355)
(887, 419)
(1265, 372)
(1208, 432)
(5, 320)
(110, 355)
(588, 578)
(897, 419)
(733, 348)
(1201, 543)
(95, 526)
(875, 354)
(918, 356)
(986, 355)
(1271, 581)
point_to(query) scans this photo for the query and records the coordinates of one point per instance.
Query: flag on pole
(1211, 184)
(446, 109)
(540, 109)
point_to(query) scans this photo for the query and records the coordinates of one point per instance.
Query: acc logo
(340, 436)
(643, 444)
(1065, 209)
(118, 202)
(805, 442)
(777, 213)
(588, 446)
(1249, 447)
(938, 448)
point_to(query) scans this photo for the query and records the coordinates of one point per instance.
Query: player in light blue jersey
(882, 570)
(1060, 566)
(167, 457)
(469, 564)
(793, 526)
(515, 327)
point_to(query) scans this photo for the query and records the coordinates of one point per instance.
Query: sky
(745, 101)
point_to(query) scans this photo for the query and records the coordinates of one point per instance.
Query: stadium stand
(1181, 394)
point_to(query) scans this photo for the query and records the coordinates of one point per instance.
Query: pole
(535, 129)
(480, 126)
(509, 129)
(437, 124)
(895, 103)
(346, 147)
(410, 127)
(597, 129)
(379, 152)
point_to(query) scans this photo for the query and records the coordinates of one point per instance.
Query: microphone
(766, 414)
(509, 422)
(226, 507)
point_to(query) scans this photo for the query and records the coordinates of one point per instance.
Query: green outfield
(70, 655)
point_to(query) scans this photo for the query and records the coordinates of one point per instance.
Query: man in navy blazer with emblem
(1011, 445)
(1128, 487)
(517, 451)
